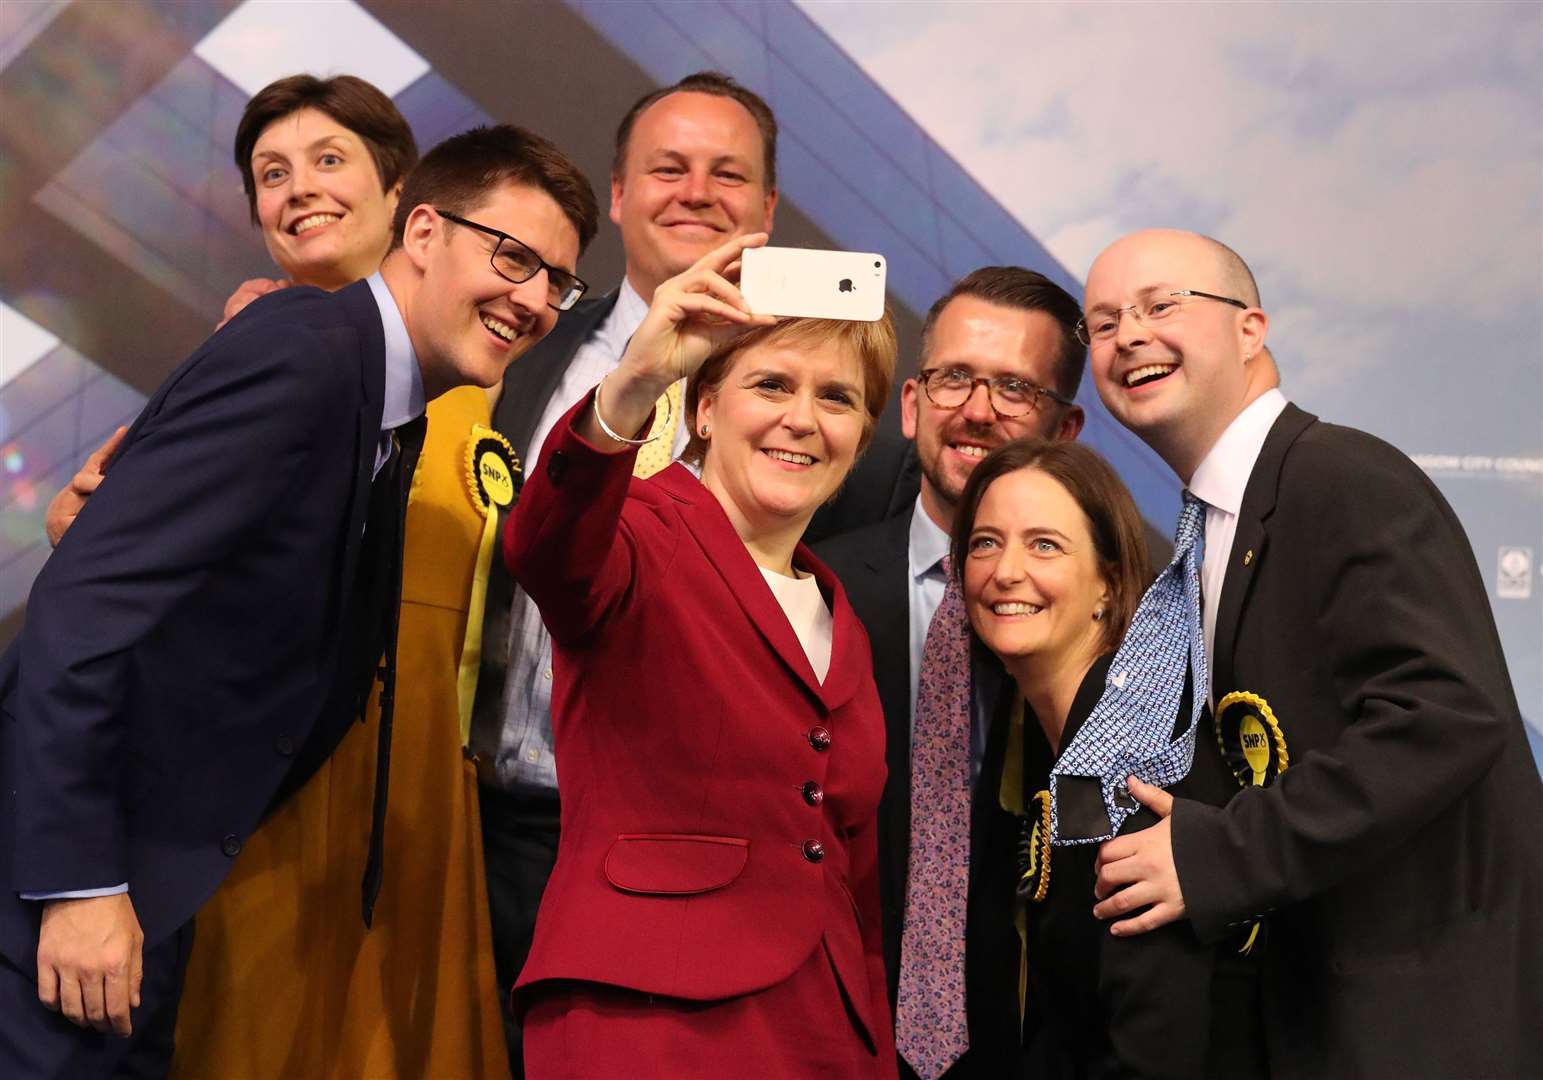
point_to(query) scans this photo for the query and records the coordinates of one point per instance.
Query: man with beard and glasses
(1000, 361)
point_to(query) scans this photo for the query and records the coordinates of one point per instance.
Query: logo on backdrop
(1513, 578)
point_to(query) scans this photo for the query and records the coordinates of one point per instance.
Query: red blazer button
(813, 794)
(814, 851)
(819, 738)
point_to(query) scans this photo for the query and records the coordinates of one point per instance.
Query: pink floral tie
(931, 1030)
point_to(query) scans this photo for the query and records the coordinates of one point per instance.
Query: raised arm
(568, 543)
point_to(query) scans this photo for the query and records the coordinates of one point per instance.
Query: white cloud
(1374, 162)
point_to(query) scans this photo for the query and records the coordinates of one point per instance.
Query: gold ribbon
(491, 466)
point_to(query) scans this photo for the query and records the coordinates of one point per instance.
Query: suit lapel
(359, 301)
(883, 593)
(723, 548)
(531, 380)
(1251, 540)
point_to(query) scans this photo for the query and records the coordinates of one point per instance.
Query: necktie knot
(1191, 524)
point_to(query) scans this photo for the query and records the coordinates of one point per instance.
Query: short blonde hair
(873, 343)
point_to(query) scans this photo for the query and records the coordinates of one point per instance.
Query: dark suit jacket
(181, 645)
(690, 726)
(1101, 1007)
(873, 566)
(1399, 852)
(884, 482)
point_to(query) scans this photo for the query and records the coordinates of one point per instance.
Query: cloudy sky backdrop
(1379, 165)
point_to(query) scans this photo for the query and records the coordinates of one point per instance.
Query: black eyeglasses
(516, 262)
(1103, 324)
(1010, 396)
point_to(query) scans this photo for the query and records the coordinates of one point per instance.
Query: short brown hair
(460, 172)
(1113, 520)
(719, 85)
(1024, 290)
(348, 99)
(873, 343)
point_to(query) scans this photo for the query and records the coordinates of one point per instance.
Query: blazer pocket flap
(674, 864)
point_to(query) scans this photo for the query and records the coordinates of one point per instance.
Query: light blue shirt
(403, 401)
(521, 749)
(925, 549)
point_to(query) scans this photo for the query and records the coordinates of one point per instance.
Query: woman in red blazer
(714, 910)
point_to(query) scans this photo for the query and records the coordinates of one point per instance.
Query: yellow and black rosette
(1251, 739)
(492, 484)
(1034, 849)
(491, 470)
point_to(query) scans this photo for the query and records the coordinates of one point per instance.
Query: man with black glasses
(1000, 361)
(214, 620)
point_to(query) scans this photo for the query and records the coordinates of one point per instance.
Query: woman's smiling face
(785, 425)
(324, 217)
(1032, 579)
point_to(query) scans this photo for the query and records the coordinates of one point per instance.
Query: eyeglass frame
(1040, 392)
(1084, 336)
(541, 264)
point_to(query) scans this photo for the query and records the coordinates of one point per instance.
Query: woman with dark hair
(1049, 548)
(283, 978)
(714, 910)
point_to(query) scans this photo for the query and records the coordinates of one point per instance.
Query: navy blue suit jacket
(181, 649)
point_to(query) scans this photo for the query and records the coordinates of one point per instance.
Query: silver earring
(704, 431)
(1098, 614)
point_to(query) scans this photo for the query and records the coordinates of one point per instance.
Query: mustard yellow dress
(284, 981)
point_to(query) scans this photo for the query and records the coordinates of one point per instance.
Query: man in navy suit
(184, 662)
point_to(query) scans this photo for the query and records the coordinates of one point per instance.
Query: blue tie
(1130, 730)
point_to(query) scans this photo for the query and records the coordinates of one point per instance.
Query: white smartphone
(813, 284)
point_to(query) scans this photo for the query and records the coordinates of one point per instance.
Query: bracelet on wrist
(599, 419)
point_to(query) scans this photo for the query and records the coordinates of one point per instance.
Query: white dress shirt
(597, 357)
(804, 605)
(1220, 481)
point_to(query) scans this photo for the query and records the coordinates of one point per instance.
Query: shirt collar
(1223, 475)
(927, 544)
(625, 317)
(404, 382)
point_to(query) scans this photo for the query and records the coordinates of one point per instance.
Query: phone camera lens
(877, 264)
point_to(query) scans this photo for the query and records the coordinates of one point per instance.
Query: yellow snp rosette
(491, 468)
(1254, 748)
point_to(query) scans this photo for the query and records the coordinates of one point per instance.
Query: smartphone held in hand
(814, 284)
